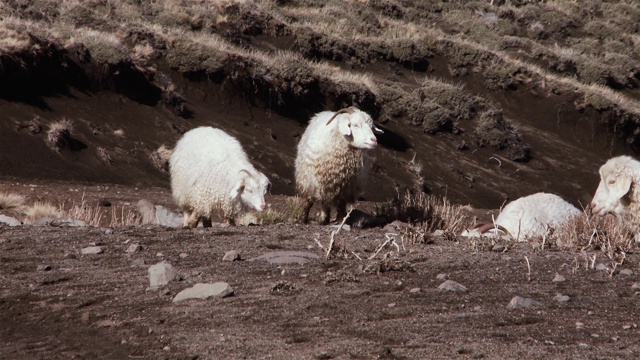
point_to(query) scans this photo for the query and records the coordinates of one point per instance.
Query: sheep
(618, 191)
(332, 161)
(210, 171)
(529, 216)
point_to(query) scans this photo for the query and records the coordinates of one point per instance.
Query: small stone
(231, 255)
(518, 302)
(626, 327)
(442, 276)
(161, 274)
(558, 278)
(415, 290)
(160, 254)
(166, 348)
(204, 291)
(108, 231)
(561, 298)
(166, 217)
(627, 272)
(133, 248)
(70, 256)
(498, 248)
(183, 255)
(595, 335)
(579, 325)
(138, 262)
(583, 345)
(549, 342)
(85, 317)
(438, 233)
(635, 286)
(43, 268)
(8, 220)
(391, 305)
(453, 286)
(91, 250)
(602, 267)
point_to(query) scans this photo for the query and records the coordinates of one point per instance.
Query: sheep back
(204, 168)
(533, 215)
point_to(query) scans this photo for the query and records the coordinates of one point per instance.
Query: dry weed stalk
(334, 233)
(11, 201)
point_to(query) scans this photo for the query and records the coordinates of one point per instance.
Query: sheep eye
(611, 182)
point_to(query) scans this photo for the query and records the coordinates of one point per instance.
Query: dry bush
(32, 126)
(91, 215)
(104, 156)
(124, 217)
(160, 158)
(11, 201)
(59, 134)
(294, 209)
(41, 210)
(270, 216)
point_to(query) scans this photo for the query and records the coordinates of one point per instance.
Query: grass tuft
(59, 134)
(11, 201)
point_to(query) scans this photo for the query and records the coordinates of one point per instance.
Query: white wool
(206, 165)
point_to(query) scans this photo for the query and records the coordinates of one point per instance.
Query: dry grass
(11, 201)
(40, 210)
(59, 134)
(270, 216)
(294, 208)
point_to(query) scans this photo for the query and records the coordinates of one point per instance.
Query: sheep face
(610, 195)
(358, 129)
(251, 189)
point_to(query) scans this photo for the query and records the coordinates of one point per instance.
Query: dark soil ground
(345, 307)
(449, 96)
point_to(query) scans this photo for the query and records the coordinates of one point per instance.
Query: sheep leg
(307, 208)
(206, 222)
(191, 219)
(342, 210)
(231, 221)
(325, 214)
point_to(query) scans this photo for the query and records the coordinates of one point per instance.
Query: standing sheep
(332, 161)
(530, 216)
(209, 171)
(618, 191)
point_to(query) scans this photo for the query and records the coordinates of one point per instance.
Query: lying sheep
(209, 171)
(332, 160)
(618, 191)
(529, 216)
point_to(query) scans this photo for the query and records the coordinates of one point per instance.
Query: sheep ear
(377, 130)
(344, 125)
(237, 189)
(620, 186)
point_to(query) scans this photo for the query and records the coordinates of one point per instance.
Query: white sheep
(210, 171)
(529, 216)
(618, 191)
(332, 161)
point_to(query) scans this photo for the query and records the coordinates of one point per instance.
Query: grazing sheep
(618, 191)
(332, 161)
(209, 171)
(529, 216)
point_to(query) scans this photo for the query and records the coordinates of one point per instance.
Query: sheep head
(615, 184)
(251, 189)
(357, 126)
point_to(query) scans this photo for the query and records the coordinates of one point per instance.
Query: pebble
(231, 255)
(160, 254)
(561, 298)
(635, 286)
(626, 327)
(204, 291)
(8, 220)
(498, 248)
(442, 276)
(91, 250)
(183, 255)
(415, 290)
(518, 302)
(166, 217)
(70, 256)
(579, 325)
(43, 268)
(133, 248)
(583, 345)
(453, 286)
(627, 272)
(108, 231)
(161, 274)
(438, 232)
(138, 262)
(602, 267)
(558, 278)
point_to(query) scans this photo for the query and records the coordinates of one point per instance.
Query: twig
(356, 255)
(528, 269)
(334, 233)
(318, 242)
(389, 239)
(496, 159)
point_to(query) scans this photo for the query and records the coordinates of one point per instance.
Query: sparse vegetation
(39, 210)
(59, 134)
(11, 201)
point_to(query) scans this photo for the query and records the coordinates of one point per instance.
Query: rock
(8, 220)
(166, 217)
(522, 303)
(360, 219)
(602, 267)
(133, 248)
(635, 286)
(453, 286)
(70, 256)
(442, 276)
(183, 255)
(161, 274)
(561, 298)
(43, 268)
(498, 248)
(415, 290)
(147, 211)
(438, 233)
(231, 255)
(108, 231)
(558, 278)
(579, 325)
(91, 250)
(627, 272)
(138, 262)
(204, 291)
(345, 227)
(247, 219)
(287, 257)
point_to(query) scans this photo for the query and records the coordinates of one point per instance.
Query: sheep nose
(374, 140)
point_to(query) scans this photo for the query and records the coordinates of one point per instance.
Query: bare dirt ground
(346, 307)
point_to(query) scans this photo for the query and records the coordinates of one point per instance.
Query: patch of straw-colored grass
(11, 201)
(39, 210)
(59, 134)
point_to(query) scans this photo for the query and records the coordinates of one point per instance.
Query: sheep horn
(246, 171)
(483, 228)
(349, 110)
